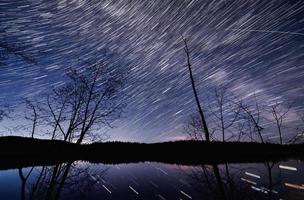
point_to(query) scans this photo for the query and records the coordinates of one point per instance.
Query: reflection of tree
(270, 179)
(220, 182)
(58, 178)
(23, 179)
(50, 182)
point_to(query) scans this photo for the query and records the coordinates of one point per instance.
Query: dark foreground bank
(20, 152)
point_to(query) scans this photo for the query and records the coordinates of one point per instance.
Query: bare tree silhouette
(226, 113)
(253, 117)
(199, 107)
(223, 113)
(90, 100)
(194, 128)
(279, 113)
(299, 130)
(32, 115)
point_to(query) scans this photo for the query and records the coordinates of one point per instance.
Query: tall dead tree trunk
(200, 110)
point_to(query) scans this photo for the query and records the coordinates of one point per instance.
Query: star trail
(255, 47)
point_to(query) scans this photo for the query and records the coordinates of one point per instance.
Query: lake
(84, 180)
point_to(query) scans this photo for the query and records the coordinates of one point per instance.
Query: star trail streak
(255, 47)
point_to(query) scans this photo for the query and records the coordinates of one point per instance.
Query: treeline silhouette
(19, 152)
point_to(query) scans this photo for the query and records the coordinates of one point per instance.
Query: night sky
(255, 47)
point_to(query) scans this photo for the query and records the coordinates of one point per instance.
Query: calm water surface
(81, 180)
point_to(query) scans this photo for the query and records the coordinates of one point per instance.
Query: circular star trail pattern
(254, 46)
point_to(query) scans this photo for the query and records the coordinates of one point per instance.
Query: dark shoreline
(18, 152)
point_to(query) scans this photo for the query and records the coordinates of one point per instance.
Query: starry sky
(255, 47)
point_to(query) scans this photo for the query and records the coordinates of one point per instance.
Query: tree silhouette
(225, 117)
(279, 113)
(90, 100)
(32, 115)
(253, 116)
(49, 182)
(198, 104)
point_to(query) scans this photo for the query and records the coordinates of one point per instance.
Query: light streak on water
(252, 175)
(133, 190)
(161, 197)
(248, 181)
(287, 168)
(185, 194)
(259, 189)
(107, 189)
(295, 186)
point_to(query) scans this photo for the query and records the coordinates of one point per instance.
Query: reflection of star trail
(185, 194)
(116, 182)
(107, 189)
(97, 181)
(252, 175)
(259, 189)
(152, 183)
(288, 168)
(133, 190)
(295, 186)
(254, 46)
(248, 181)
(161, 197)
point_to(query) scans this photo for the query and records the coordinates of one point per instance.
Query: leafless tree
(298, 137)
(194, 129)
(32, 115)
(240, 130)
(226, 112)
(279, 113)
(223, 113)
(301, 127)
(199, 107)
(89, 101)
(253, 116)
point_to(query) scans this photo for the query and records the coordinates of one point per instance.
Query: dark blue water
(81, 180)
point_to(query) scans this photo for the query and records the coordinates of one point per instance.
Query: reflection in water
(49, 182)
(218, 182)
(258, 181)
(79, 180)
